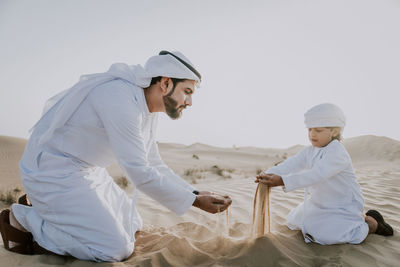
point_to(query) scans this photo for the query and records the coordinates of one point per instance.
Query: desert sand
(201, 239)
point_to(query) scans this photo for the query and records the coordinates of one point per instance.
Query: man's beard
(171, 107)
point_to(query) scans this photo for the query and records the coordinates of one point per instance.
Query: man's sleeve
(122, 120)
(156, 161)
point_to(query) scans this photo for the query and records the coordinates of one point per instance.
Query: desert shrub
(258, 171)
(189, 172)
(217, 170)
(9, 197)
(122, 181)
(221, 172)
(194, 173)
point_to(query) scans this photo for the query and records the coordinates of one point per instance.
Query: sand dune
(11, 149)
(370, 148)
(202, 239)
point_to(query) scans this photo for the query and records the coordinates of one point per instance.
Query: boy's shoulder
(333, 147)
(337, 147)
(335, 144)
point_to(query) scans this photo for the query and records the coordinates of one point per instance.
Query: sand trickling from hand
(261, 211)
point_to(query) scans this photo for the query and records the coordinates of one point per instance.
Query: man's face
(180, 98)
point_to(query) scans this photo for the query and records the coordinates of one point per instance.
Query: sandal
(24, 200)
(33, 247)
(9, 233)
(383, 227)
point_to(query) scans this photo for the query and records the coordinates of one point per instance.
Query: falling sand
(222, 228)
(261, 214)
(261, 203)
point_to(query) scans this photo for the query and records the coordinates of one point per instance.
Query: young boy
(333, 203)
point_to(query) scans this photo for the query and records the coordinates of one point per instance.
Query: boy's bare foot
(383, 228)
(372, 224)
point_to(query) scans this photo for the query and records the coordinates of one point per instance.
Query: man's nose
(188, 100)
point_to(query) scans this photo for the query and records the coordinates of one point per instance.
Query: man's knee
(124, 252)
(112, 254)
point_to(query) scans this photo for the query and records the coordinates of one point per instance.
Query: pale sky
(264, 63)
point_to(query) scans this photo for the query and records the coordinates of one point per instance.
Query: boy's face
(320, 137)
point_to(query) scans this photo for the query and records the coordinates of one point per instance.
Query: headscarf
(60, 107)
(325, 115)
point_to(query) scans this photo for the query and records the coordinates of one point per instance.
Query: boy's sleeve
(333, 161)
(290, 165)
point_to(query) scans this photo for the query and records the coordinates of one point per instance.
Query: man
(77, 209)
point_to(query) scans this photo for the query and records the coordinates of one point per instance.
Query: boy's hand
(269, 179)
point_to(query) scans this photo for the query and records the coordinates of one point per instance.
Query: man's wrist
(196, 202)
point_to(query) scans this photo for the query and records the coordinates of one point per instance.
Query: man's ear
(166, 85)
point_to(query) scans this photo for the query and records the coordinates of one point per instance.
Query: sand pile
(202, 239)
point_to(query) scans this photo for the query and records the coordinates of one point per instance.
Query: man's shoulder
(116, 89)
(117, 85)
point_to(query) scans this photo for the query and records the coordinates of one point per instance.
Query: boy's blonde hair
(339, 135)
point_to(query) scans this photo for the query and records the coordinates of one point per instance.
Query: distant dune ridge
(201, 239)
(372, 148)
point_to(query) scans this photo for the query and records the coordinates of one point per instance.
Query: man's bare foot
(14, 223)
(372, 224)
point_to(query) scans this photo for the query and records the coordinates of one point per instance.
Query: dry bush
(10, 196)
(198, 173)
(217, 170)
(193, 173)
(258, 171)
(221, 172)
(189, 172)
(283, 158)
(122, 181)
(195, 156)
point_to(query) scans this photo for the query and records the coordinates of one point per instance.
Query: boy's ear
(336, 132)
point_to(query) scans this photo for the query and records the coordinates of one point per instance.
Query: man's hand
(269, 179)
(205, 193)
(212, 203)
